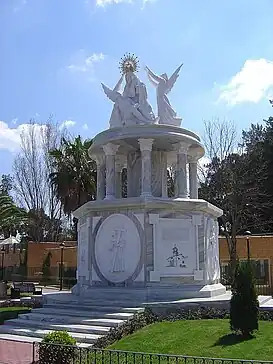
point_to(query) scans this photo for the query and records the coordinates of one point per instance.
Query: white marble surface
(131, 107)
(117, 248)
(164, 84)
(146, 166)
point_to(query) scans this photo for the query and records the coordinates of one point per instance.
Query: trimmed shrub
(57, 348)
(244, 304)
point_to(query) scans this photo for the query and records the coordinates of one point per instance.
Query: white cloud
(85, 126)
(253, 83)
(67, 124)
(19, 4)
(10, 138)
(85, 63)
(108, 2)
(103, 3)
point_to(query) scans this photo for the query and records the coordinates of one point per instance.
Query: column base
(146, 194)
(109, 197)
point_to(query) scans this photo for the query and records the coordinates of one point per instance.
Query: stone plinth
(155, 245)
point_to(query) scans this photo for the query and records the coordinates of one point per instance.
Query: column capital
(145, 144)
(182, 147)
(110, 149)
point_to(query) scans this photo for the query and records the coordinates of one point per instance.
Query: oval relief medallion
(117, 248)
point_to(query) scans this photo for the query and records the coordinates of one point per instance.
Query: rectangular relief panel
(176, 248)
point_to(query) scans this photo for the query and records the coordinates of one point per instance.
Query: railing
(261, 289)
(43, 276)
(50, 353)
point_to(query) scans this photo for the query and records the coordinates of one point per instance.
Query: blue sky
(55, 53)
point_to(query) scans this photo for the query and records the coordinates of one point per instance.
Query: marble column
(110, 153)
(164, 175)
(146, 166)
(193, 178)
(100, 161)
(181, 172)
(119, 167)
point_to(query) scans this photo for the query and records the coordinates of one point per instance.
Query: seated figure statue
(131, 107)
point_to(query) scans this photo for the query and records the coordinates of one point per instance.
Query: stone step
(68, 312)
(84, 329)
(61, 319)
(107, 294)
(39, 333)
(94, 308)
(129, 302)
(32, 339)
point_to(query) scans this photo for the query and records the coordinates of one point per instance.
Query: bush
(57, 348)
(244, 305)
(10, 313)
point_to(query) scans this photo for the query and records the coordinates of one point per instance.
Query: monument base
(151, 248)
(151, 293)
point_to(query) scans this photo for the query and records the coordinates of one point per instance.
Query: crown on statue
(129, 63)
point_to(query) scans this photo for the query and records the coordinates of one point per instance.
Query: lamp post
(248, 234)
(62, 263)
(2, 262)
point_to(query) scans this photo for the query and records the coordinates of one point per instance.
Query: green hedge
(8, 313)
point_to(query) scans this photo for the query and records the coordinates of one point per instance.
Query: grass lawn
(8, 313)
(207, 338)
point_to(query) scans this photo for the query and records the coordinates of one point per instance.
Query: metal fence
(263, 284)
(45, 277)
(50, 353)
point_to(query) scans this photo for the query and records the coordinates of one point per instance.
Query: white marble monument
(165, 247)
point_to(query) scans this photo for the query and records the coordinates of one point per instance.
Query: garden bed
(207, 338)
(8, 313)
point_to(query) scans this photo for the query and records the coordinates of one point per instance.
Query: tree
(10, 215)
(74, 176)
(235, 182)
(220, 138)
(244, 304)
(6, 184)
(32, 187)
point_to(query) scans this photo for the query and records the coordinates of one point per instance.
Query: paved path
(14, 352)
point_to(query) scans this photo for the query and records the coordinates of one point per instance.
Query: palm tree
(74, 178)
(10, 215)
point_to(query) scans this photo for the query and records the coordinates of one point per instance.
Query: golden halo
(129, 63)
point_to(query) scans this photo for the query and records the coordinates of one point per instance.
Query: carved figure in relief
(213, 264)
(164, 84)
(118, 244)
(176, 259)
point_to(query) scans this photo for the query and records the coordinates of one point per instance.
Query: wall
(261, 248)
(37, 252)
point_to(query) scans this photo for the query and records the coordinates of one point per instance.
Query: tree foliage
(74, 176)
(32, 187)
(240, 182)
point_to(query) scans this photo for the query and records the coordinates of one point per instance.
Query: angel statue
(131, 107)
(163, 84)
(125, 110)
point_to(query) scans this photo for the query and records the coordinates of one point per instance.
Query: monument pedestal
(157, 249)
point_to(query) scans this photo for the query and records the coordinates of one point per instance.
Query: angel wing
(152, 76)
(153, 82)
(112, 95)
(173, 78)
